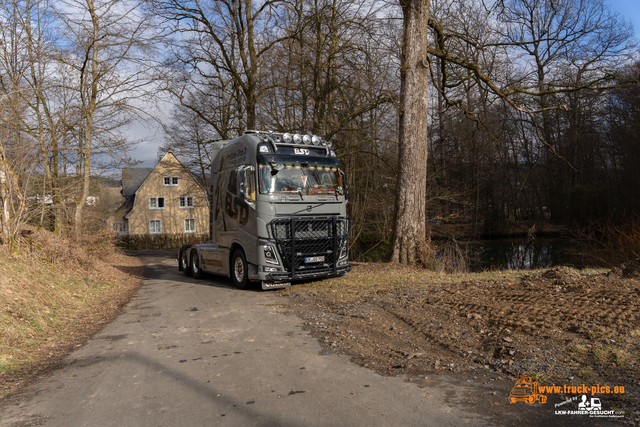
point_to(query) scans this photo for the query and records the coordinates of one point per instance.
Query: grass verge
(54, 294)
(369, 279)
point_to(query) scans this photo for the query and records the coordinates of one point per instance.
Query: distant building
(166, 199)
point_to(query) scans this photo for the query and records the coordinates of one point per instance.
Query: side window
(232, 186)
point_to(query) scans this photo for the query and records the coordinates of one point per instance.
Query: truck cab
(278, 212)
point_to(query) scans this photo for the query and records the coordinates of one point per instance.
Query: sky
(629, 9)
(147, 152)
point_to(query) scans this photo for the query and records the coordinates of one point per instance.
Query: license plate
(313, 259)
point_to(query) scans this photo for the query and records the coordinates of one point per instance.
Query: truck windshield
(300, 178)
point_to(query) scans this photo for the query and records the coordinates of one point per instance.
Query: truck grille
(309, 244)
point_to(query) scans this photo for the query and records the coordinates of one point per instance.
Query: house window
(171, 181)
(155, 226)
(156, 202)
(120, 227)
(186, 202)
(190, 225)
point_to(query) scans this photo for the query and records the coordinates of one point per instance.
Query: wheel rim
(194, 264)
(185, 264)
(238, 269)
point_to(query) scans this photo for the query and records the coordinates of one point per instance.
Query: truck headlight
(269, 254)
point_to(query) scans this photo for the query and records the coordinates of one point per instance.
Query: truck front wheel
(239, 273)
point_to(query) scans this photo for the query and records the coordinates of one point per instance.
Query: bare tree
(220, 37)
(13, 206)
(113, 60)
(26, 58)
(191, 138)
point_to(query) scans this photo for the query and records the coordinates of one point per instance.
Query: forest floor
(564, 326)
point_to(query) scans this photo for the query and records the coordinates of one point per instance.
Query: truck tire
(196, 271)
(239, 271)
(184, 263)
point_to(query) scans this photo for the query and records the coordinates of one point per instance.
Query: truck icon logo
(590, 406)
(526, 390)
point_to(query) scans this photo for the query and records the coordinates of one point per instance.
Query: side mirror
(242, 185)
(344, 185)
(246, 187)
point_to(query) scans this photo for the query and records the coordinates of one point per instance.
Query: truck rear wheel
(239, 273)
(184, 263)
(196, 271)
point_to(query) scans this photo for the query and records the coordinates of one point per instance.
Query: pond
(513, 254)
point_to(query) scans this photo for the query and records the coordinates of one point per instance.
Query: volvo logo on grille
(309, 208)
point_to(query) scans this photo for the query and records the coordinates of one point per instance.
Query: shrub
(159, 241)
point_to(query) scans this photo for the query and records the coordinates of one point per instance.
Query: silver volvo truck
(277, 212)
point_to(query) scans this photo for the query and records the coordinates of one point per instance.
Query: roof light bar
(289, 138)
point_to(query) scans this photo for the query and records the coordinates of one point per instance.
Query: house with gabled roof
(165, 199)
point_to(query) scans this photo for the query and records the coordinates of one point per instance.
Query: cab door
(240, 209)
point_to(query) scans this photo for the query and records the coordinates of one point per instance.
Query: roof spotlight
(297, 138)
(287, 137)
(329, 144)
(315, 140)
(306, 139)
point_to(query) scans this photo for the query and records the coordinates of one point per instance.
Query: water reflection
(513, 254)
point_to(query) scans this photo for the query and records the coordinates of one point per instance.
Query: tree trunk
(89, 111)
(4, 198)
(410, 228)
